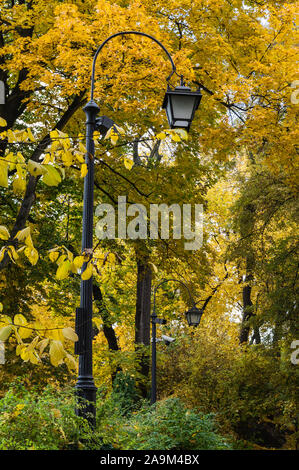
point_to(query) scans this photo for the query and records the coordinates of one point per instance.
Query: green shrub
(39, 421)
(47, 421)
(124, 394)
(168, 425)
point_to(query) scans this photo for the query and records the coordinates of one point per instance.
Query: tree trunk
(247, 310)
(247, 226)
(107, 326)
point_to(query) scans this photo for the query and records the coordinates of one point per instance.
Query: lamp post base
(86, 392)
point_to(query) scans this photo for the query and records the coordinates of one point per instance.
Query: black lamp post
(85, 387)
(193, 316)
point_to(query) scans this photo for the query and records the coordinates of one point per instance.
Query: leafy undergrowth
(47, 421)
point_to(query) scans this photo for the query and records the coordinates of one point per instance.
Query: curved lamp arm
(122, 33)
(169, 280)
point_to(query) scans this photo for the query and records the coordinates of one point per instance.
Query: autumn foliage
(240, 161)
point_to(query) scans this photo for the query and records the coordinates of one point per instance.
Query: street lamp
(180, 105)
(193, 316)
(85, 387)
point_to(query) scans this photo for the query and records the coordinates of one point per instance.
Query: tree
(241, 54)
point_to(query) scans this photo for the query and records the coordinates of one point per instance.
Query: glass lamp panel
(181, 124)
(169, 112)
(182, 107)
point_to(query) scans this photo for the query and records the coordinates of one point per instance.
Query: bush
(168, 425)
(124, 393)
(30, 420)
(39, 421)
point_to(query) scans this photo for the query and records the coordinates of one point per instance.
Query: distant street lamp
(180, 107)
(193, 316)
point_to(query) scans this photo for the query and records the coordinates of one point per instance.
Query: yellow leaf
(175, 137)
(70, 334)
(4, 233)
(70, 362)
(20, 320)
(12, 253)
(3, 174)
(5, 332)
(30, 135)
(67, 158)
(87, 273)
(79, 157)
(28, 241)
(108, 133)
(47, 158)
(6, 319)
(54, 256)
(128, 163)
(11, 137)
(18, 409)
(25, 332)
(19, 349)
(154, 268)
(182, 133)
(54, 134)
(161, 136)
(69, 253)
(84, 170)
(32, 254)
(23, 234)
(78, 261)
(63, 270)
(114, 139)
(19, 185)
(52, 177)
(25, 354)
(33, 357)
(82, 148)
(56, 352)
(98, 322)
(2, 253)
(112, 135)
(3, 123)
(55, 334)
(35, 169)
(119, 129)
(73, 269)
(42, 345)
(61, 259)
